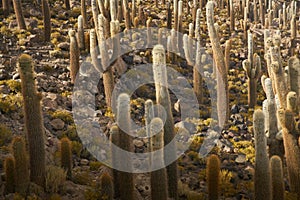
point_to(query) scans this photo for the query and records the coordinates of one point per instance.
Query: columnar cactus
(158, 177)
(255, 10)
(115, 139)
(83, 13)
(149, 34)
(108, 78)
(197, 78)
(47, 22)
(213, 177)
(125, 142)
(231, 15)
(227, 53)
(262, 177)
(10, 173)
(33, 120)
(252, 66)
(149, 115)
(80, 32)
(95, 12)
(276, 172)
(169, 16)
(163, 98)
(294, 69)
(180, 10)
(21, 166)
(19, 14)
(222, 83)
(126, 14)
(6, 7)
(133, 9)
(262, 12)
(175, 10)
(106, 187)
(197, 25)
(292, 151)
(186, 48)
(113, 10)
(66, 155)
(74, 56)
(94, 50)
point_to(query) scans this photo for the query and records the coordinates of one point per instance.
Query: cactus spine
(66, 155)
(222, 83)
(262, 172)
(163, 98)
(10, 173)
(19, 14)
(106, 185)
(158, 177)
(47, 22)
(213, 177)
(80, 31)
(74, 56)
(277, 178)
(21, 165)
(123, 120)
(33, 120)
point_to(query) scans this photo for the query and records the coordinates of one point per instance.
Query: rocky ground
(51, 60)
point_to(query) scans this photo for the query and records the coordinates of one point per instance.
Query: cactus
(227, 53)
(158, 177)
(163, 98)
(66, 155)
(255, 10)
(175, 10)
(197, 78)
(67, 4)
(262, 12)
(292, 102)
(270, 18)
(213, 177)
(19, 14)
(149, 114)
(133, 9)
(271, 126)
(80, 31)
(95, 51)
(126, 14)
(47, 22)
(262, 177)
(292, 151)
(169, 16)
(108, 78)
(113, 10)
(252, 66)
(231, 15)
(136, 22)
(106, 186)
(222, 83)
(294, 68)
(186, 48)
(74, 56)
(33, 120)
(10, 173)
(6, 7)
(115, 138)
(123, 120)
(83, 13)
(197, 25)
(95, 12)
(149, 34)
(276, 172)
(21, 165)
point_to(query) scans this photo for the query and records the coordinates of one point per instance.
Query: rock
(138, 143)
(84, 162)
(64, 46)
(57, 124)
(241, 159)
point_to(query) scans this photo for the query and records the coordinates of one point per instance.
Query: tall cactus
(94, 50)
(10, 173)
(115, 139)
(46, 18)
(213, 177)
(33, 120)
(21, 165)
(81, 43)
(123, 119)
(158, 177)
(262, 173)
(66, 155)
(74, 56)
(292, 151)
(222, 83)
(294, 68)
(277, 178)
(6, 7)
(163, 98)
(252, 66)
(19, 14)
(83, 13)
(197, 78)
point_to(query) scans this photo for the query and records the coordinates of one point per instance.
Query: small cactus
(74, 56)
(262, 177)
(213, 177)
(66, 155)
(277, 178)
(106, 187)
(10, 173)
(21, 165)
